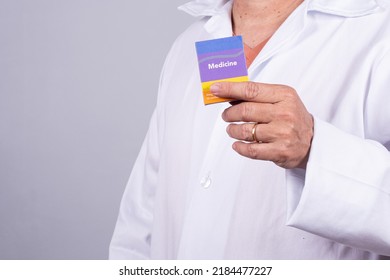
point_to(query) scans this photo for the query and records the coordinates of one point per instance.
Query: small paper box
(220, 60)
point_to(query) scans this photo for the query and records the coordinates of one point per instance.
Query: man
(282, 183)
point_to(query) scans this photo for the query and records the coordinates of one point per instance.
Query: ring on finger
(254, 137)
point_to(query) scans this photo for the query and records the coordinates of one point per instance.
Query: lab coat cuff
(305, 197)
(335, 195)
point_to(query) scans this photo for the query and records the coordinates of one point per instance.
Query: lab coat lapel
(220, 24)
(283, 37)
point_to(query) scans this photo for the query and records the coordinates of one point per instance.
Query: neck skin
(257, 20)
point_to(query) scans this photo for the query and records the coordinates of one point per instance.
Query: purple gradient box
(220, 60)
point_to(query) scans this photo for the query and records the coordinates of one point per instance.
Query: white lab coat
(190, 196)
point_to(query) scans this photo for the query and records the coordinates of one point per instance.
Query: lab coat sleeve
(132, 235)
(344, 193)
(133, 230)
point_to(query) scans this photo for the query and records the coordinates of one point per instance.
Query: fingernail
(224, 115)
(215, 89)
(228, 130)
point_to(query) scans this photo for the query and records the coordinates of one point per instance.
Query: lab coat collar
(345, 8)
(200, 8)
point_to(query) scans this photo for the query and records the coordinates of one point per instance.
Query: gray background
(78, 82)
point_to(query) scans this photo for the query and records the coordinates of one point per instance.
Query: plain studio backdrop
(78, 83)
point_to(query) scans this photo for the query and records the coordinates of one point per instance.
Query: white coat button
(206, 181)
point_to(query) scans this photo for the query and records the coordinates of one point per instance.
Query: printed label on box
(220, 60)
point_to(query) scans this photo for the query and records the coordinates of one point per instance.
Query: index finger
(249, 91)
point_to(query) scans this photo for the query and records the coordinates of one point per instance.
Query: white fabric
(190, 196)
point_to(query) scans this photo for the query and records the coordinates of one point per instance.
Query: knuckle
(284, 153)
(246, 111)
(288, 146)
(246, 133)
(287, 91)
(286, 115)
(290, 130)
(280, 160)
(252, 151)
(228, 88)
(286, 133)
(251, 90)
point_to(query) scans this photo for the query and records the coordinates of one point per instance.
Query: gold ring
(254, 138)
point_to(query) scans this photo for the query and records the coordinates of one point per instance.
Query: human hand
(276, 125)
